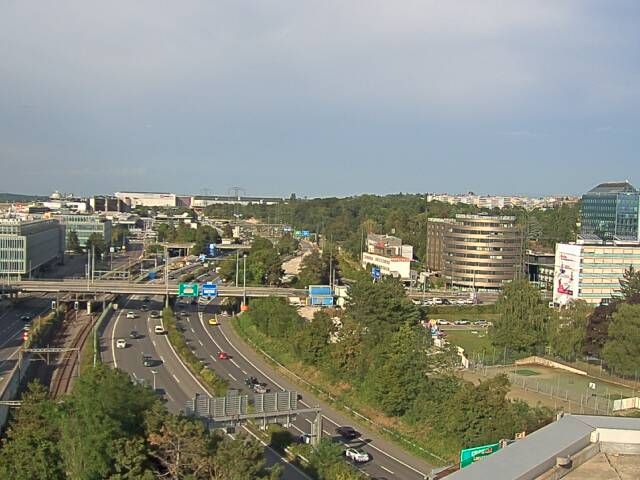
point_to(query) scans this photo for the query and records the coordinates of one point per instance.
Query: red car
(223, 356)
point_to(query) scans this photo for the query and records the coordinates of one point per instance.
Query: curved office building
(483, 252)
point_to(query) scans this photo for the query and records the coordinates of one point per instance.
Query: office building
(86, 225)
(29, 246)
(483, 252)
(147, 199)
(108, 204)
(539, 268)
(436, 228)
(591, 272)
(389, 255)
(611, 211)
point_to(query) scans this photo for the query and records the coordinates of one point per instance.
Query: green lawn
(471, 342)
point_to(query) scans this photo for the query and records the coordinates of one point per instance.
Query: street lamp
(244, 280)
(154, 372)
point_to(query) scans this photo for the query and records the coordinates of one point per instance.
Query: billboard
(470, 455)
(320, 290)
(566, 274)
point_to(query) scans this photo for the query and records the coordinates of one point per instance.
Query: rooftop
(614, 187)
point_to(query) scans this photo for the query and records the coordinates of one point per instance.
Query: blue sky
(319, 97)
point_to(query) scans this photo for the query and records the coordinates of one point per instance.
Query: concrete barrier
(535, 360)
(12, 385)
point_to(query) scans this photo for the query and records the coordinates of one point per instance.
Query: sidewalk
(284, 378)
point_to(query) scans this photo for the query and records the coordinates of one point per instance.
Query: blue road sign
(305, 234)
(375, 273)
(212, 249)
(209, 290)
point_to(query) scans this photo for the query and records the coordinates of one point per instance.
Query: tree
(630, 283)
(31, 450)
(73, 242)
(96, 241)
(521, 326)
(287, 245)
(314, 270)
(568, 329)
(622, 349)
(205, 235)
(312, 340)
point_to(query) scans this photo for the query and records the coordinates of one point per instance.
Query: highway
(173, 380)
(388, 460)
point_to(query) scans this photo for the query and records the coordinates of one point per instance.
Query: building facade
(591, 272)
(86, 225)
(147, 199)
(27, 246)
(483, 252)
(436, 228)
(395, 266)
(539, 267)
(611, 211)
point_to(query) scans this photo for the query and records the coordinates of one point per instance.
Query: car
(214, 321)
(147, 360)
(446, 301)
(134, 334)
(144, 308)
(250, 381)
(223, 356)
(27, 326)
(194, 301)
(158, 330)
(461, 322)
(260, 388)
(442, 322)
(184, 314)
(305, 438)
(154, 314)
(146, 299)
(348, 433)
(131, 314)
(121, 343)
(357, 455)
(27, 317)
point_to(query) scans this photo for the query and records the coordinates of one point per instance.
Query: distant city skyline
(334, 98)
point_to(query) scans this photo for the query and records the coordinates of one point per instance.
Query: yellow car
(214, 321)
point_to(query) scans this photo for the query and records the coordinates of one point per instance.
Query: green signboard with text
(188, 289)
(470, 455)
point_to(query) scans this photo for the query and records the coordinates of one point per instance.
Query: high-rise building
(27, 246)
(483, 252)
(611, 211)
(436, 228)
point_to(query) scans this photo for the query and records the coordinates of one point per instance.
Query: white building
(396, 266)
(591, 272)
(147, 199)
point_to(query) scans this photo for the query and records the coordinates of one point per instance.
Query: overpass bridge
(121, 287)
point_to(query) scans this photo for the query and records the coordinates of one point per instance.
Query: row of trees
(527, 326)
(109, 428)
(379, 348)
(201, 236)
(263, 263)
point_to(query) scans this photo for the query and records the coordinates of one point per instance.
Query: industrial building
(611, 212)
(147, 199)
(591, 272)
(105, 203)
(29, 246)
(574, 447)
(389, 255)
(85, 225)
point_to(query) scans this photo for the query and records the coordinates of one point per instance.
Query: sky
(320, 98)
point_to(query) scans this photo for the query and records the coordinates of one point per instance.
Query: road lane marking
(175, 378)
(214, 358)
(386, 469)
(245, 372)
(162, 358)
(200, 342)
(192, 330)
(232, 377)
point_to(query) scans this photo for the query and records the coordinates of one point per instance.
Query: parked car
(304, 438)
(121, 343)
(461, 322)
(348, 433)
(442, 322)
(131, 314)
(158, 329)
(223, 356)
(446, 301)
(357, 455)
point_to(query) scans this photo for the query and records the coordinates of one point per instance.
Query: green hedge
(42, 326)
(205, 374)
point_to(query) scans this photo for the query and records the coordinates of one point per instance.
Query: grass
(525, 372)
(473, 343)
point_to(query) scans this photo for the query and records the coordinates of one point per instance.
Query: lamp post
(237, 265)
(244, 279)
(154, 373)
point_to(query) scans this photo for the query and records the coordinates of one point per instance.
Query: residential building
(85, 225)
(483, 252)
(436, 228)
(498, 201)
(202, 201)
(28, 246)
(574, 447)
(611, 211)
(591, 272)
(388, 245)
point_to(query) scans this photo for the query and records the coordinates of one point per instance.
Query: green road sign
(470, 455)
(188, 289)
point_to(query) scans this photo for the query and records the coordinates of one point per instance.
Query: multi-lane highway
(173, 379)
(206, 341)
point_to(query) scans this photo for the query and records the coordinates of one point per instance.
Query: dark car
(26, 317)
(348, 433)
(154, 314)
(146, 299)
(134, 335)
(250, 381)
(144, 308)
(147, 360)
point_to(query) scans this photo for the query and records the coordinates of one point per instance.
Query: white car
(121, 343)
(131, 314)
(158, 329)
(357, 455)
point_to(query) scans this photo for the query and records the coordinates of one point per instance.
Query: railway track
(61, 383)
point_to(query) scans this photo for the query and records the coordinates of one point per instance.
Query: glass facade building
(611, 211)
(86, 225)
